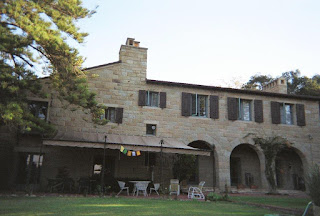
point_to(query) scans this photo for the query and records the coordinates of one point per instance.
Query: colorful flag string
(129, 152)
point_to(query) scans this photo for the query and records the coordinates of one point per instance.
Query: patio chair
(142, 186)
(155, 188)
(122, 187)
(196, 192)
(174, 187)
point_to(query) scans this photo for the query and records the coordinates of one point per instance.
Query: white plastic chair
(196, 192)
(174, 187)
(122, 187)
(142, 186)
(156, 188)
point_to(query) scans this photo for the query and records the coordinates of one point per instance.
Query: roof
(232, 90)
(103, 65)
(114, 141)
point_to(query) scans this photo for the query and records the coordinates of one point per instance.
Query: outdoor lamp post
(161, 165)
(103, 163)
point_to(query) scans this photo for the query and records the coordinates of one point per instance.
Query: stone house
(152, 121)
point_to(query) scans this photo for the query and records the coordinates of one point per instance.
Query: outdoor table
(135, 183)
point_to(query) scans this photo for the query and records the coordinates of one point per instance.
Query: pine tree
(34, 34)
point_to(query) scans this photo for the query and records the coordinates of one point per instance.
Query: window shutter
(233, 108)
(119, 115)
(142, 98)
(214, 107)
(258, 111)
(186, 104)
(275, 112)
(301, 118)
(163, 100)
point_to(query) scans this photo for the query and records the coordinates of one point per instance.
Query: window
(286, 114)
(113, 114)
(199, 105)
(151, 129)
(152, 99)
(39, 109)
(245, 110)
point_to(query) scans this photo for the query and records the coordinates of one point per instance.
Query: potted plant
(313, 183)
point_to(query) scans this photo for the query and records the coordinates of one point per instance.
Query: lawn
(119, 206)
(281, 201)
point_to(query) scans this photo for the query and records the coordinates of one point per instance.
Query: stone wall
(118, 84)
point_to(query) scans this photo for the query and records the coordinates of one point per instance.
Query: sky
(221, 43)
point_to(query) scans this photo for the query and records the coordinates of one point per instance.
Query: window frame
(108, 114)
(154, 131)
(241, 110)
(283, 113)
(149, 98)
(197, 99)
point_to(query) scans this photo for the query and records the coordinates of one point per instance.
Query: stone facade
(117, 85)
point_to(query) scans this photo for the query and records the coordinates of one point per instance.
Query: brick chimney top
(132, 42)
(277, 86)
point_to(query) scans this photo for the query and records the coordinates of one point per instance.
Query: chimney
(132, 42)
(277, 86)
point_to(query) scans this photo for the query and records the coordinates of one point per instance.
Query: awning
(135, 143)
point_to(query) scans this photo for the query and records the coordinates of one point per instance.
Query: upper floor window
(245, 110)
(152, 98)
(39, 109)
(286, 113)
(113, 114)
(199, 105)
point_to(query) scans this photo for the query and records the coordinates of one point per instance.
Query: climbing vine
(271, 146)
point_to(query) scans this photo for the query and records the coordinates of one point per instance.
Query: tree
(257, 81)
(271, 146)
(34, 36)
(296, 84)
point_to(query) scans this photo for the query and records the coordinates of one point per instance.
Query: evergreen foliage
(296, 84)
(313, 182)
(184, 167)
(34, 37)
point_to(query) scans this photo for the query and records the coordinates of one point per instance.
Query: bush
(313, 182)
(213, 197)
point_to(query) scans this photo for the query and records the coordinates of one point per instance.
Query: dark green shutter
(275, 113)
(163, 100)
(119, 115)
(142, 98)
(233, 108)
(186, 104)
(214, 107)
(301, 118)
(258, 111)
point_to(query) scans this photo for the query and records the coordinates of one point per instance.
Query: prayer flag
(125, 151)
(138, 153)
(121, 148)
(129, 153)
(133, 153)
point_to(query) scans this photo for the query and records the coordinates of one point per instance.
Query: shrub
(213, 197)
(313, 182)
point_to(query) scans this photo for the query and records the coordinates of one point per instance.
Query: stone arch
(246, 166)
(291, 165)
(207, 166)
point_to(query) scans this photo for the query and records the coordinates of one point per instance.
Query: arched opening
(205, 165)
(245, 167)
(289, 170)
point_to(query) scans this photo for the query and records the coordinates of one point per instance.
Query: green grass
(287, 202)
(41, 206)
